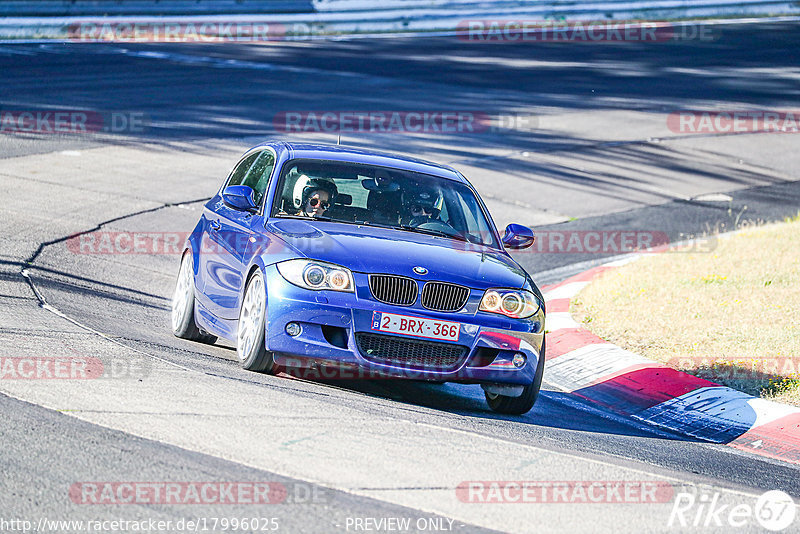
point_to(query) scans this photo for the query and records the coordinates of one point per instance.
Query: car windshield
(381, 196)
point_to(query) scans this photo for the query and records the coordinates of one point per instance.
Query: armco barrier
(31, 19)
(434, 14)
(101, 8)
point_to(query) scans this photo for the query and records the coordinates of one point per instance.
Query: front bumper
(331, 322)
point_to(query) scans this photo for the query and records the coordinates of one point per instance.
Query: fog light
(293, 329)
(519, 360)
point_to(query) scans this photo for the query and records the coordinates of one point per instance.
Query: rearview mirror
(344, 199)
(240, 197)
(518, 236)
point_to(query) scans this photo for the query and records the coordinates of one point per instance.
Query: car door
(229, 232)
(209, 262)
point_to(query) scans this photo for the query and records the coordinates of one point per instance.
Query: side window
(238, 174)
(259, 173)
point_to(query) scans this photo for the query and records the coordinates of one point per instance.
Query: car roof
(366, 156)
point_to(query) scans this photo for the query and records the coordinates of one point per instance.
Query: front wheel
(252, 319)
(523, 403)
(183, 325)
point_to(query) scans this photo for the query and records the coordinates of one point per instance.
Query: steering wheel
(418, 220)
(426, 223)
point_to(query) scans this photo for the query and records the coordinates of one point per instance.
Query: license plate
(415, 326)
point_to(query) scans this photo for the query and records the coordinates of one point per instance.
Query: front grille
(403, 352)
(440, 296)
(397, 290)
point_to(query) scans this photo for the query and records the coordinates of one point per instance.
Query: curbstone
(630, 385)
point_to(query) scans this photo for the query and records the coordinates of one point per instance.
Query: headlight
(514, 303)
(312, 274)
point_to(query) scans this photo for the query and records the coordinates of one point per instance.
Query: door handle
(215, 225)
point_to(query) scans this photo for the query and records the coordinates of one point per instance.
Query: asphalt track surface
(600, 157)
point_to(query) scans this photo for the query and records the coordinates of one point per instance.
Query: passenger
(317, 203)
(313, 196)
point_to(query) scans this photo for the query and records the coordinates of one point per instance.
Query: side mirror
(518, 236)
(239, 197)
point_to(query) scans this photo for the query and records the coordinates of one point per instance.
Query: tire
(182, 314)
(523, 403)
(250, 348)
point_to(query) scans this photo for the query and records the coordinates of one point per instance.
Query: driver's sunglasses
(419, 208)
(314, 201)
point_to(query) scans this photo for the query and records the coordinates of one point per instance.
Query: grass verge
(731, 316)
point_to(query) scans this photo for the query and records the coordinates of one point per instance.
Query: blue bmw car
(384, 266)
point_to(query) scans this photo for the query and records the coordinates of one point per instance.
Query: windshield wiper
(429, 231)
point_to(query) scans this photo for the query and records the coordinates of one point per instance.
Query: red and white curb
(628, 384)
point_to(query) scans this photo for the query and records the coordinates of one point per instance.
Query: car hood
(370, 249)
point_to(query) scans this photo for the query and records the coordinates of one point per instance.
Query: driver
(313, 196)
(422, 204)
